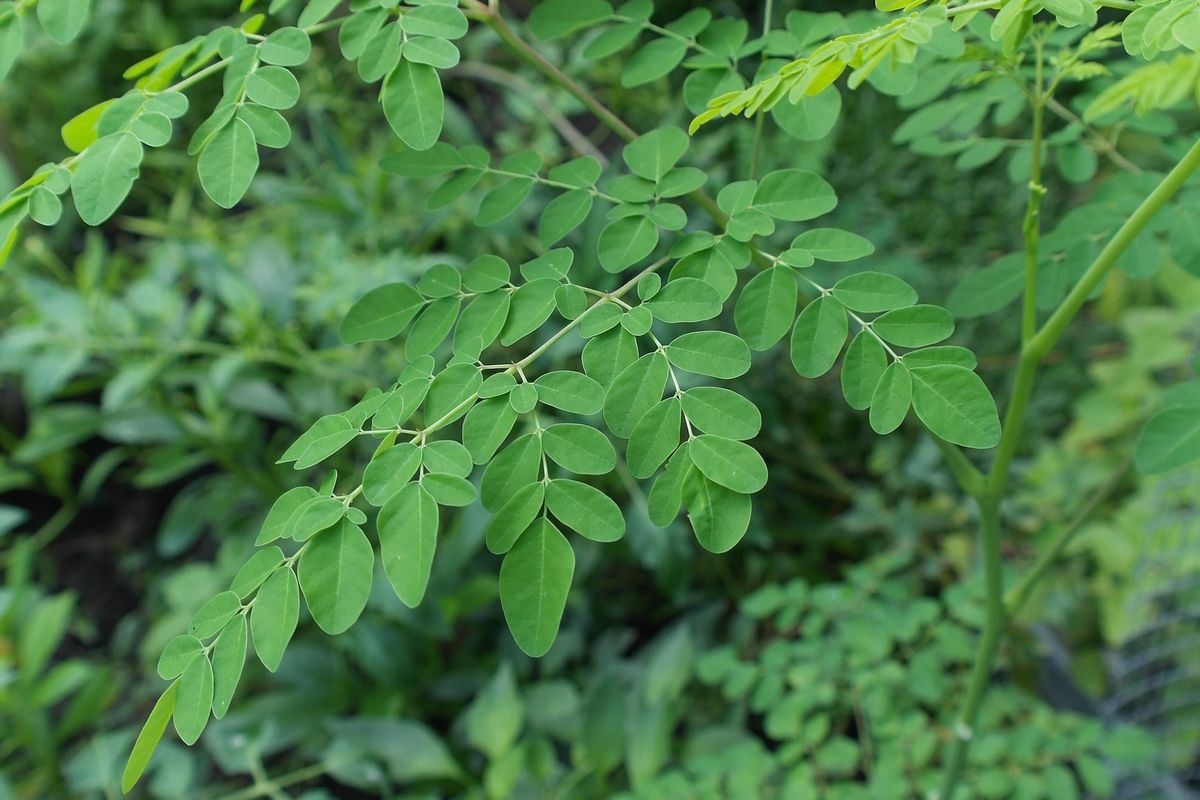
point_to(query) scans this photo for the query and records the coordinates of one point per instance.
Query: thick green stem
(1034, 349)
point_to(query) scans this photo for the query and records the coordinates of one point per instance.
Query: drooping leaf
(766, 307)
(892, 397)
(719, 516)
(228, 659)
(335, 576)
(408, 530)
(634, 391)
(654, 438)
(515, 516)
(193, 703)
(413, 104)
(228, 163)
(150, 735)
(818, 337)
(535, 578)
(862, 367)
(104, 175)
(274, 616)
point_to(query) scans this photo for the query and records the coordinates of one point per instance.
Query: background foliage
(156, 368)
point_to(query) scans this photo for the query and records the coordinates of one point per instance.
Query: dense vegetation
(437, 399)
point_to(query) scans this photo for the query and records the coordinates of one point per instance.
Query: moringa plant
(700, 277)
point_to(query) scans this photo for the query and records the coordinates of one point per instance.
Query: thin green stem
(1054, 327)
(768, 8)
(1032, 224)
(1016, 598)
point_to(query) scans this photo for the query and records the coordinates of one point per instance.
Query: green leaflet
(408, 529)
(685, 300)
(554, 19)
(990, 289)
(381, 313)
(666, 495)
(12, 37)
(833, 244)
(608, 354)
(794, 195)
(585, 510)
(447, 457)
(228, 162)
(634, 392)
(486, 427)
(714, 353)
(652, 155)
(654, 438)
(449, 490)
(104, 175)
(326, 436)
(513, 467)
(284, 513)
(653, 61)
(228, 659)
(285, 47)
(570, 391)
(515, 516)
(483, 319)
(722, 412)
(955, 404)
(892, 397)
(213, 615)
(766, 307)
(579, 448)
(389, 472)
(1170, 440)
(335, 576)
(535, 578)
(273, 87)
(432, 326)
(274, 616)
(818, 337)
(413, 104)
(150, 735)
(176, 656)
(194, 699)
(718, 515)
(627, 241)
(862, 367)
(872, 292)
(914, 326)
(562, 215)
(62, 20)
(451, 393)
(728, 462)
(502, 201)
(532, 304)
